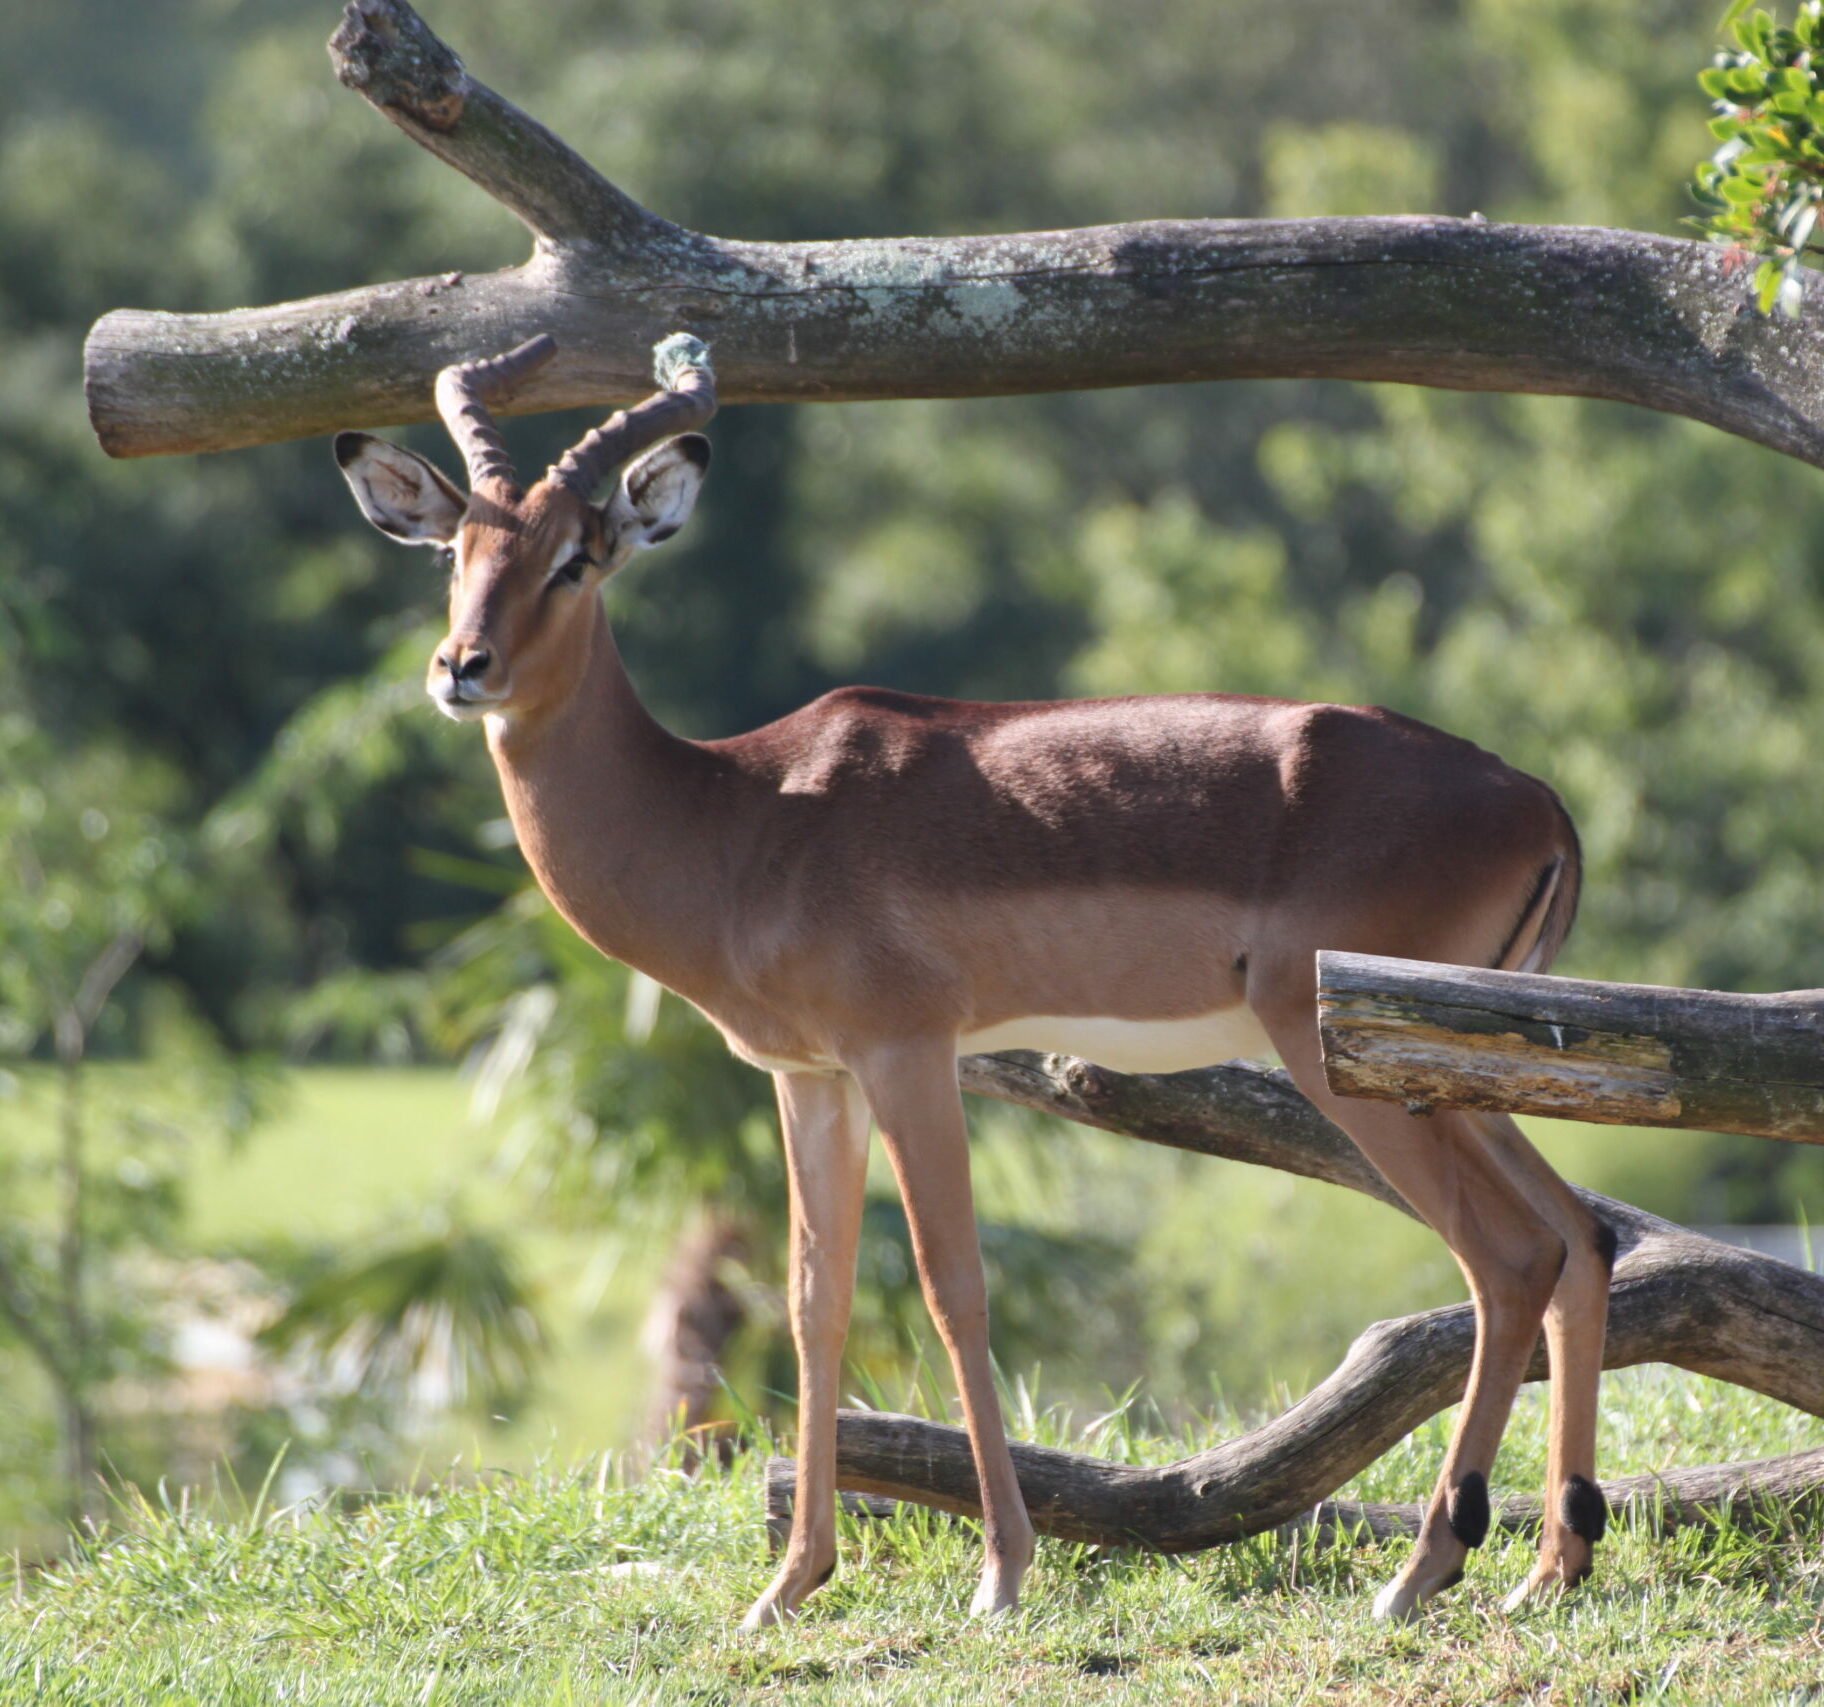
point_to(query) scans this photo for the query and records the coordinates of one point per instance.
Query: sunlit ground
(561, 1587)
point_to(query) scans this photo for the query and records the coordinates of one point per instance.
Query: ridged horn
(685, 400)
(464, 393)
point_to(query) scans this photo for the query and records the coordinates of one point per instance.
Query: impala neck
(615, 816)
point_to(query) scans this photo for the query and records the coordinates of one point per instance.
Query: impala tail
(1551, 909)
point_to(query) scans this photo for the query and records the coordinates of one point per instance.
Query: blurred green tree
(94, 882)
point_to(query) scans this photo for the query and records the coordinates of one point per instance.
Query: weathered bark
(1679, 1298)
(1761, 1494)
(1623, 1054)
(1238, 1112)
(1660, 322)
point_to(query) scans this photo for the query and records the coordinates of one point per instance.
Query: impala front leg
(913, 1091)
(826, 1157)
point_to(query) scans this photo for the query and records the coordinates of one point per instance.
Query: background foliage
(216, 660)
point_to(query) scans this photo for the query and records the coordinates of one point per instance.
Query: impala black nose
(467, 667)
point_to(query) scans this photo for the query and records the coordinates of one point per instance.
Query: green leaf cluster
(1760, 190)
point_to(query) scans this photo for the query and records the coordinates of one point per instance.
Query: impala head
(525, 563)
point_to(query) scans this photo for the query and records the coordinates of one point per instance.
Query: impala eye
(572, 571)
(446, 555)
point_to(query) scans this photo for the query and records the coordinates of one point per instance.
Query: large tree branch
(387, 54)
(1655, 321)
(1623, 1054)
(1678, 1298)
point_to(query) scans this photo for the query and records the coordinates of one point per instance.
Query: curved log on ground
(1660, 322)
(1766, 1493)
(1414, 1031)
(1763, 1493)
(1678, 1298)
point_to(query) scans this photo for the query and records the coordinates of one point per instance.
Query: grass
(343, 1150)
(581, 1587)
(536, 1584)
(1249, 1281)
(359, 1154)
(353, 1155)
(349, 1148)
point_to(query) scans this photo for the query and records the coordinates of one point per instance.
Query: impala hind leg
(1509, 1253)
(1576, 1324)
(913, 1091)
(826, 1155)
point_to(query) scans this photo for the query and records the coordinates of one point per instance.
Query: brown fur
(900, 862)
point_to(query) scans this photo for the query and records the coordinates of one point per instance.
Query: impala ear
(398, 491)
(657, 493)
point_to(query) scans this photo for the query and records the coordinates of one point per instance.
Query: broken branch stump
(1619, 1054)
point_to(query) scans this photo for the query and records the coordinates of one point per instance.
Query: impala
(864, 890)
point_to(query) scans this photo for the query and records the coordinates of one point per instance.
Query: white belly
(1132, 1045)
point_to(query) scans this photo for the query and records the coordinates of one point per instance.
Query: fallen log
(1660, 322)
(1621, 1054)
(1761, 1494)
(1679, 1298)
